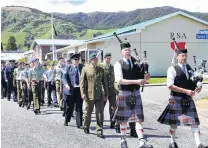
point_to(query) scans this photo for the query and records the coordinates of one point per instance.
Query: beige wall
(155, 39)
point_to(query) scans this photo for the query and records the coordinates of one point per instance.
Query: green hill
(27, 24)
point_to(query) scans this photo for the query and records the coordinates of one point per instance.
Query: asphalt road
(23, 129)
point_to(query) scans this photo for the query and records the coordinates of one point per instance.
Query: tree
(11, 44)
(2, 48)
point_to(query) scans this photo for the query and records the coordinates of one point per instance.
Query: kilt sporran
(131, 101)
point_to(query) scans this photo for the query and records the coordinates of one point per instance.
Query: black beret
(26, 64)
(11, 60)
(75, 55)
(180, 51)
(125, 45)
(107, 55)
(92, 56)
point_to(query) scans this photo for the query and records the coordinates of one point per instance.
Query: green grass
(90, 32)
(157, 80)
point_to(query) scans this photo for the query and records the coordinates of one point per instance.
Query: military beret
(44, 64)
(107, 55)
(180, 51)
(11, 60)
(26, 64)
(125, 45)
(3, 61)
(20, 63)
(60, 58)
(92, 56)
(75, 55)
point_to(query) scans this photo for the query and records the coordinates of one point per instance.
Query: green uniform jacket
(110, 78)
(92, 81)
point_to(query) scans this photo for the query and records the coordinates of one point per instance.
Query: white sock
(172, 133)
(123, 131)
(196, 133)
(140, 133)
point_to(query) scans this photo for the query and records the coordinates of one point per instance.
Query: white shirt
(75, 85)
(171, 74)
(118, 70)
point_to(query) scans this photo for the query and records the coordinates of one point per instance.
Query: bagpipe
(141, 62)
(196, 74)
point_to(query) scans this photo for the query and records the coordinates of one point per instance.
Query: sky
(86, 6)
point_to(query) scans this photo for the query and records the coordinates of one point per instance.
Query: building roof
(12, 51)
(140, 26)
(57, 42)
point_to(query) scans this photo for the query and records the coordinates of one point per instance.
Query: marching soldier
(58, 79)
(42, 84)
(25, 84)
(17, 79)
(71, 81)
(49, 76)
(35, 75)
(9, 75)
(29, 88)
(129, 77)
(181, 109)
(92, 80)
(110, 79)
(3, 80)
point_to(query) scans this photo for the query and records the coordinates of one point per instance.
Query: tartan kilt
(174, 114)
(123, 113)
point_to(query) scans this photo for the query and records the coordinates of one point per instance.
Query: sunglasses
(76, 59)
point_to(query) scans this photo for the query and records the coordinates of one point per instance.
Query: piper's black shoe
(202, 146)
(133, 133)
(123, 143)
(87, 131)
(146, 145)
(173, 145)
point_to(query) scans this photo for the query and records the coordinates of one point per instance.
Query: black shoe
(117, 130)
(173, 145)
(8, 99)
(146, 145)
(55, 105)
(28, 106)
(36, 112)
(133, 133)
(112, 125)
(202, 146)
(80, 127)
(100, 135)
(65, 123)
(87, 131)
(123, 143)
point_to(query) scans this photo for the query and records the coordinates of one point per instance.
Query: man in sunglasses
(71, 82)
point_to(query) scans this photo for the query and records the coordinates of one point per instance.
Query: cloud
(74, 6)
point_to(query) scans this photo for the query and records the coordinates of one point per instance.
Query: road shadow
(147, 128)
(156, 136)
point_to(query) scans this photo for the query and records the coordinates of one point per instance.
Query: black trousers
(3, 88)
(10, 88)
(72, 100)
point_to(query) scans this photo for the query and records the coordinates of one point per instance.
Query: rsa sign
(202, 34)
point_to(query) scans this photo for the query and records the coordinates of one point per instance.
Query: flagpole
(52, 35)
